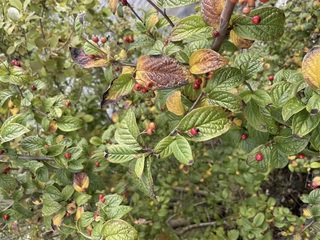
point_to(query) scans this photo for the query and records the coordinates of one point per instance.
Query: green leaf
(211, 121)
(174, 3)
(291, 144)
(82, 198)
(226, 100)
(291, 107)
(258, 220)
(22, 210)
(32, 143)
(53, 193)
(128, 131)
(254, 117)
(67, 192)
(7, 182)
(139, 166)
(233, 234)
(225, 79)
(188, 27)
(42, 174)
(86, 219)
(118, 229)
(303, 123)
(314, 197)
(32, 165)
(78, 23)
(69, 123)
(261, 97)
(113, 200)
(164, 147)
(12, 131)
(116, 212)
(278, 159)
(270, 27)
(54, 150)
(313, 105)
(249, 63)
(50, 207)
(120, 153)
(5, 95)
(145, 183)
(16, 3)
(91, 47)
(119, 88)
(182, 151)
(281, 93)
(315, 138)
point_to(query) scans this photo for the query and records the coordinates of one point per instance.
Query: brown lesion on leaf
(85, 60)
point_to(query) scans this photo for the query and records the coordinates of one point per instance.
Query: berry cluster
(144, 89)
(151, 128)
(102, 39)
(15, 62)
(197, 83)
(248, 4)
(128, 39)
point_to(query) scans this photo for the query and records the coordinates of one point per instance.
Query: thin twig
(248, 85)
(134, 12)
(27, 157)
(199, 225)
(224, 23)
(163, 13)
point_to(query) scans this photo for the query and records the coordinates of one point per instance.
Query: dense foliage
(122, 123)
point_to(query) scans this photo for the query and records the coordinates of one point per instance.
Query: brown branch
(191, 227)
(163, 13)
(27, 157)
(224, 23)
(134, 12)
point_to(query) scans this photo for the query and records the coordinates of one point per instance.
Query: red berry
(196, 86)
(95, 39)
(101, 196)
(163, 108)
(152, 125)
(166, 42)
(256, 20)
(149, 84)
(144, 90)
(15, 62)
(126, 39)
(67, 155)
(33, 88)
(246, 10)
(263, 1)
(89, 232)
(244, 136)
(215, 33)
(103, 200)
(194, 131)
(271, 78)
(259, 157)
(124, 2)
(103, 39)
(97, 164)
(301, 156)
(116, 69)
(6, 217)
(7, 169)
(91, 56)
(67, 103)
(67, 214)
(149, 131)
(131, 39)
(1, 152)
(198, 81)
(137, 87)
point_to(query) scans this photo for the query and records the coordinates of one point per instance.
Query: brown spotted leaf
(206, 60)
(81, 58)
(311, 68)
(240, 42)
(80, 181)
(211, 11)
(174, 103)
(162, 72)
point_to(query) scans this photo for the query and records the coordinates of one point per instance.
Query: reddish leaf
(164, 72)
(85, 61)
(80, 181)
(211, 11)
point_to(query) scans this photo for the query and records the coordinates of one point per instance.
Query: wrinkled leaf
(174, 103)
(80, 181)
(211, 11)
(182, 151)
(311, 66)
(206, 60)
(118, 229)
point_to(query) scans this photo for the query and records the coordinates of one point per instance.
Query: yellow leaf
(174, 103)
(127, 70)
(162, 72)
(80, 182)
(206, 60)
(85, 61)
(152, 20)
(80, 211)
(53, 126)
(211, 11)
(113, 4)
(57, 220)
(14, 109)
(311, 68)
(240, 42)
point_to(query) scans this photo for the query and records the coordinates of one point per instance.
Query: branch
(163, 13)
(199, 225)
(224, 23)
(27, 157)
